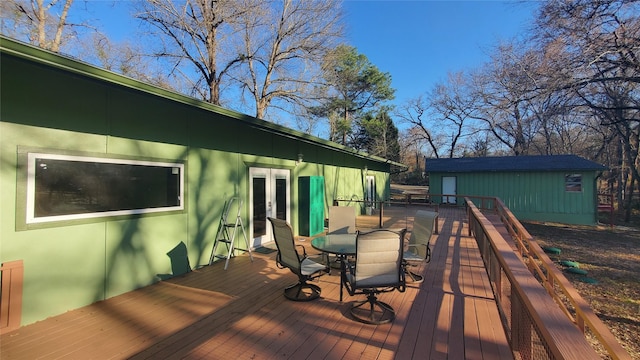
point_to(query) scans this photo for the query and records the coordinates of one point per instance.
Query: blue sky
(418, 42)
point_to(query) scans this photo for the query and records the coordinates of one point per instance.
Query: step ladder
(227, 232)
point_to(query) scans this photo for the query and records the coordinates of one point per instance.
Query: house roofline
(66, 63)
(524, 163)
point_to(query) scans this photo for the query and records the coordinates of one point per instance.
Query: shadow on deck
(241, 313)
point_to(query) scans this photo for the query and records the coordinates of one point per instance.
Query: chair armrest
(414, 252)
(304, 252)
(415, 245)
(323, 257)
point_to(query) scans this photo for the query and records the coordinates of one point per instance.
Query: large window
(573, 182)
(67, 187)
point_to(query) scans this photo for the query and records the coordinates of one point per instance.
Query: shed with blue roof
(555, 188)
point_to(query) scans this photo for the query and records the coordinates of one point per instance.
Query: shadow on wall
(179, 261)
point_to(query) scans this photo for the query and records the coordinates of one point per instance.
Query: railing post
(470, 221)
(498, 289)
(580, 322)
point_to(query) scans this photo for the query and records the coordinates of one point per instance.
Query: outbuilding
(106, 182)
(553, 188)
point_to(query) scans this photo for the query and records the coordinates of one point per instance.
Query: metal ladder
(227, 233)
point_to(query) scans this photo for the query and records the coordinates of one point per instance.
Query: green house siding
(534, 196)
(53, 104)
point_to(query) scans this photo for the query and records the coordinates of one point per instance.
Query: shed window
(573, 182)
(65, 187)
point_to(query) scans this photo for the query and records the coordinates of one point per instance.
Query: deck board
(241, 313)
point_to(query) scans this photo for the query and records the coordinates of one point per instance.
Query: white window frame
(31, 186)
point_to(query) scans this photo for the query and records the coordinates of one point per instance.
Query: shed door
(449, 188)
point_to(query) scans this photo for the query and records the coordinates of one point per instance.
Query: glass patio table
(341, 245)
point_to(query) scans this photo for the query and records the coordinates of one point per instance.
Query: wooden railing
(377, 204)
(405, 199)
(411, 198)
(11, 296)
(539, 326)
(408, 200)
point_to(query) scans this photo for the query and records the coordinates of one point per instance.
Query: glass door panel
(259, 206)
(281, 199)
(269, 197)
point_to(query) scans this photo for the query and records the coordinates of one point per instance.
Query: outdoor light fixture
(300, 158)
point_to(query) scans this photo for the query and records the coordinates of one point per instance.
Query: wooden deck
(241, 313)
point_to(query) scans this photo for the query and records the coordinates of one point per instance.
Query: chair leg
(335, 262)
(302, 291)
(376, 313)
(415, 278)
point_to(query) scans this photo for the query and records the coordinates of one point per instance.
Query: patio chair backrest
(283, 236)
(342, 220)
(422, 230)
(378, 259)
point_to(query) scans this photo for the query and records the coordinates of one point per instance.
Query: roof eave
(38, 55)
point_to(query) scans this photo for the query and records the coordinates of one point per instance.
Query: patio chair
(342, 220)
(418, 250)
(378, 268)
(301, 265)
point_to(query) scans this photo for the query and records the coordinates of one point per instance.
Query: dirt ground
(612, 258)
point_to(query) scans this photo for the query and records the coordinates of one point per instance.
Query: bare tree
(444, 117)
(197, 39)
(42, 24)
(270, 49)
(412, 153)
(284, 43)
(454, 104)
(415, 112)
(125, 58)
(505, 90)
(411, 149)
(597, 51)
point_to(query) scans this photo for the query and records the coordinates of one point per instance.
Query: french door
(269, 196)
